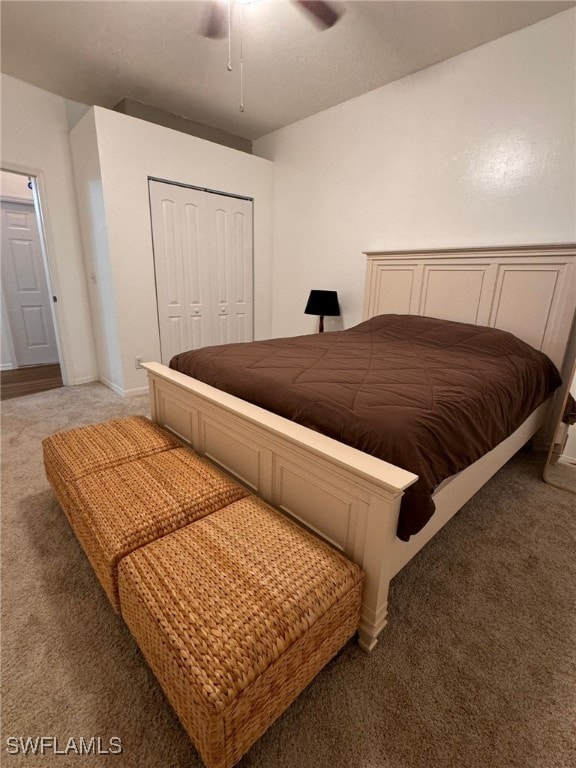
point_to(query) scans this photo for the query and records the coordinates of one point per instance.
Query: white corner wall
(35, 141)
(477, 150)
(7, 354)
(84, 143)
(15, 186)
(128, 152)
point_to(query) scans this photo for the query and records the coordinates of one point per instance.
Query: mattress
(429, 395)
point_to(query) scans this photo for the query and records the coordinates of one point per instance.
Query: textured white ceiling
(99, 52)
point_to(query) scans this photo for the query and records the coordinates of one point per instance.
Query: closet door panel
(169, 272)
(232, 289)
(197, 278)
(203, 265)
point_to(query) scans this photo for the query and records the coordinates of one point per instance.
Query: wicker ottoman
(127, 482)
(74, 453)
(235, 614)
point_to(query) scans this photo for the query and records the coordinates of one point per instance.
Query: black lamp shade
(323, 303)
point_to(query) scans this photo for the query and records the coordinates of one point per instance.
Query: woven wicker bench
(126, 482)
(235, 607)
(236, 614)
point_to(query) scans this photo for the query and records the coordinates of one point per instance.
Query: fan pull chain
(242, 57)
(242, 108)
(229, 35)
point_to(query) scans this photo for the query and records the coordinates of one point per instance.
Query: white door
(203, 265)
(25, 288)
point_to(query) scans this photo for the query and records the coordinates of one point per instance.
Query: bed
(426, 394)
(353, 498)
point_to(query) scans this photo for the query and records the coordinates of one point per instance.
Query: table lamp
(323, 303)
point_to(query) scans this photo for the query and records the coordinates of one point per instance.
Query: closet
(203, 265)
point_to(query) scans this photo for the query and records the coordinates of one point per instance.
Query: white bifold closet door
(203, 261)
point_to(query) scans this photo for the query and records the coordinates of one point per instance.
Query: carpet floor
(476, 668)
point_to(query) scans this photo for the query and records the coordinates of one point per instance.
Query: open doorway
(30, 360)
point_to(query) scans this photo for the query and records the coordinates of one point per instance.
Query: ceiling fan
(321, 13)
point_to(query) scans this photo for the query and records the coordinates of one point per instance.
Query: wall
(183, 124)
(128, 152)
(15, 186)
(477, 150)
(35, 141)
(7, 354)
(84, 142)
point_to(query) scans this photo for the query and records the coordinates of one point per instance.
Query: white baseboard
(83, 380)
(6, 367)
(111, 385)
(120, 391)
(137, 391)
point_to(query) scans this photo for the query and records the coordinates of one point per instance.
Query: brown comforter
(428, 395)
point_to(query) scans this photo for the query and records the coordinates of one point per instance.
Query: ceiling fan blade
(322, 13)
(216, 20)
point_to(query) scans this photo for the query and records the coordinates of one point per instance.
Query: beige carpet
(476, 669)
(562, 475)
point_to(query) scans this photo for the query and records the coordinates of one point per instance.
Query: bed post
(381, 524)
(152, 399)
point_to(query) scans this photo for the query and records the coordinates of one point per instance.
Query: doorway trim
(50, 269)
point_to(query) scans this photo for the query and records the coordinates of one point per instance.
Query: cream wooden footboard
(348, 497)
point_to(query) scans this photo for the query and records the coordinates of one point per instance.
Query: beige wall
(35, 141)
(15, 185)
(477, 150)
(112, 180)
(183, 124)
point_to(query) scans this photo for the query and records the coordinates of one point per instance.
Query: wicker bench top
(233, 591)
(77, 452)
(127, 482)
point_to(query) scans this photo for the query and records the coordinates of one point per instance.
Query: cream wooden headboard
(527, 290)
